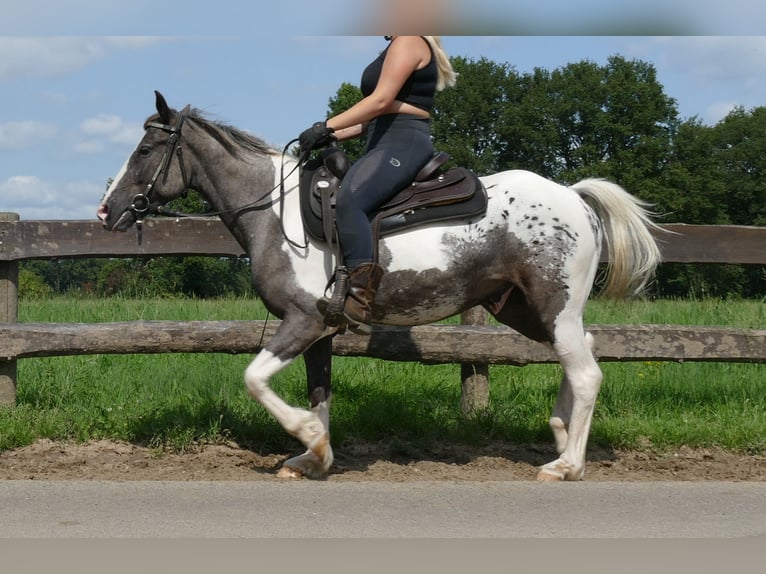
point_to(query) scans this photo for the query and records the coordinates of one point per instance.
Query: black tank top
(418, 90)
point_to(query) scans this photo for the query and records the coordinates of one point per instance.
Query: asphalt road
(88, 509)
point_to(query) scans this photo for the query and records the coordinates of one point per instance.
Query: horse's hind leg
(318, 360)
(537, 313)
(291, 340)
(562, 411)
(573, 412)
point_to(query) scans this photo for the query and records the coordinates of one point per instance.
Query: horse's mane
(234, 140)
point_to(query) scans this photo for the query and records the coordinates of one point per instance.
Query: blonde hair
(447, 75)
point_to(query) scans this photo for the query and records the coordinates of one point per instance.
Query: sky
(77, 77)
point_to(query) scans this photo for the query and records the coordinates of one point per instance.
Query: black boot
(363, 281)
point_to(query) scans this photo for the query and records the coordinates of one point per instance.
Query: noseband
(143, 203)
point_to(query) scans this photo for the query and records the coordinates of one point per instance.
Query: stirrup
(333, 315)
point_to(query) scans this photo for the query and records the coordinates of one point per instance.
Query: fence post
(9, 313)
(474, 376)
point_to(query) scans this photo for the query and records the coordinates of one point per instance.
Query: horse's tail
(632, 249)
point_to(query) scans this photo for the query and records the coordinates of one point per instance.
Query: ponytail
(447, 75)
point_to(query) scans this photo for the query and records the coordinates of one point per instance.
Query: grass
(177, 400)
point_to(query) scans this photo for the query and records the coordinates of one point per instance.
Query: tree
(471, 118)
(32, 285)
(740, 141)
(610, 121)
(346, 97)
(693, 178)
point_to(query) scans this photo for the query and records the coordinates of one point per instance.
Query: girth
(436, 195)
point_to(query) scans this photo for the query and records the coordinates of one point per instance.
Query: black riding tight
(398, 146)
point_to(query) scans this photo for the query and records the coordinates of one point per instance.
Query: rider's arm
(405, 55)
(350, 132)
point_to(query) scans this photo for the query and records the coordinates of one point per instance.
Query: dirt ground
(396, 462)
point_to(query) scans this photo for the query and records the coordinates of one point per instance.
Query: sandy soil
(105, 460)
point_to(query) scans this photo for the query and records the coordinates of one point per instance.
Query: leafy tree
(346, 97)
(32, 285)
(740, 141)
(610, 121)
(65, 275)
(471, 118)
(693, 190)
(202, 277)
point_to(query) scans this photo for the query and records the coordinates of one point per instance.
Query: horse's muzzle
(123, 223)
(102, 213)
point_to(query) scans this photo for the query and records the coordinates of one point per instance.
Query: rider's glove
(318, 135)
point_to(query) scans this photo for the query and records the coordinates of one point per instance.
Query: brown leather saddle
(436, 195)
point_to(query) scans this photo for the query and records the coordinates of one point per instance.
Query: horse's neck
(248, 194)
(272, 233)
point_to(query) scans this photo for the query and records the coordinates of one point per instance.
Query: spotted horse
(531, 260)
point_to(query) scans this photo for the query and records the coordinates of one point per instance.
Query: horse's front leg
(310, 427)
(318, 360)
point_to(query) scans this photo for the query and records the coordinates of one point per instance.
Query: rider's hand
(318, 135)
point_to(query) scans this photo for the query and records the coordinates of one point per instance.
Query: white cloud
(113, 128)
(34, 198)
(47, 16)
(24, 56)
(46, 57)
(107, 129)
(103, 124)
(25, 190)
(24, 134)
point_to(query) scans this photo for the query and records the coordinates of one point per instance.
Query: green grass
(177, 400)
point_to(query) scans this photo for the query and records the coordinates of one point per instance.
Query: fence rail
(473, 345)
(209, 236)
(426, 343)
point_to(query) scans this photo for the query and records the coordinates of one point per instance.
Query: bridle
(142, 203)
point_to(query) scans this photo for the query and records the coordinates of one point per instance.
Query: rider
(398, 89)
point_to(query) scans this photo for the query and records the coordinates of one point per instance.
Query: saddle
(435, 195)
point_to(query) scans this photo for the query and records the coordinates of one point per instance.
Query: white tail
(632, 249)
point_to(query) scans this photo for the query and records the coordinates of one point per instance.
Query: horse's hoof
(558, 471)
(548, 476)
(314, 463)
(289, 473)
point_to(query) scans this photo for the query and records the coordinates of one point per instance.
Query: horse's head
(153, 175)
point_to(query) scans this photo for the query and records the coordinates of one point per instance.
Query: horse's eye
(145, 151)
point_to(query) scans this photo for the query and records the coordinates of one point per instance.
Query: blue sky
(77, 76)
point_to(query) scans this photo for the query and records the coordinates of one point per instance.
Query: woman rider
(398, 89)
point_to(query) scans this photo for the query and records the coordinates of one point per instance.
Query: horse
(531, 261)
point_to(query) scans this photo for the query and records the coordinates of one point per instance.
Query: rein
(143, 205)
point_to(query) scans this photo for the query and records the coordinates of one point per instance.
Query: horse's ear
(162, 107)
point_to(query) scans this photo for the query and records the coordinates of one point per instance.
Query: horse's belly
(408, 310)
(427, 280)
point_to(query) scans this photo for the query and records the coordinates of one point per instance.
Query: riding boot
(363, 282)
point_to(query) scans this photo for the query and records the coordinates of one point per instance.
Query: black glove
(316, 136)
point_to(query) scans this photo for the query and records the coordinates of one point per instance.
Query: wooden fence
(474, 344)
